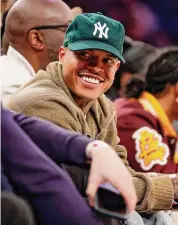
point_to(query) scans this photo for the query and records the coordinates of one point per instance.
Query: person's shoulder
(9, 65)
(131, 111)
(126, 107)
(124, 103)
(40, 88)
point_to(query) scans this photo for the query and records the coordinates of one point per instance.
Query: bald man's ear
(62, 51)
(36, 40)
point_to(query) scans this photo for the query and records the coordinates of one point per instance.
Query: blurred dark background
(151, 21)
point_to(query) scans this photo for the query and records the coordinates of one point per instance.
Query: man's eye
(84, 54)
(108, 61)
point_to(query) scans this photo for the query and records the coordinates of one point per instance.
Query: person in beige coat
(70, 93)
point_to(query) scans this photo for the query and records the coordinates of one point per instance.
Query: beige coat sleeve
(47, 109)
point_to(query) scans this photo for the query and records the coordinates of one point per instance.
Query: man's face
(88, 73)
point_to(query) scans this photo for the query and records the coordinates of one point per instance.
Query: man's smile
(90, 77)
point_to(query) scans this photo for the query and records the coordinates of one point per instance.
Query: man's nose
(96, 65)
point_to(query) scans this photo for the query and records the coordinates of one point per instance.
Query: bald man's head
(24, 19)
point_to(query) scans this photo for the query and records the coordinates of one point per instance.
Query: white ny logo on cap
(103, 30)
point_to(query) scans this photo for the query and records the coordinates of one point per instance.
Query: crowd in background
(151, 21)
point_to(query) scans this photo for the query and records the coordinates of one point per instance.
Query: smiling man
(83, 74)
(70, 93)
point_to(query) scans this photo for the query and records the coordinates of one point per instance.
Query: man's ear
(62, 51)
(118, 64)
(36, 40)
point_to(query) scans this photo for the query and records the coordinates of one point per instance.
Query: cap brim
(93, 44)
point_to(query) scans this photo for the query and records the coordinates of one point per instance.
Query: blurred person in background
(5, 7)
(35, 30)
(146, 114)
(137, 57)
(167, 15)
(159, 26)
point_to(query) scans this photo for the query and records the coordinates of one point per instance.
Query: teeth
(91, 80)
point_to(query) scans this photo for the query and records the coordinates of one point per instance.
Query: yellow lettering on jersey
(150, 150)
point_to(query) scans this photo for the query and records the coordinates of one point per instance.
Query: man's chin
(85, 97)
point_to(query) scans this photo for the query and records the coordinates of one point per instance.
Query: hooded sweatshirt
(150, 143)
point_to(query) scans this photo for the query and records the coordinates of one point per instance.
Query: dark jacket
(35, 176)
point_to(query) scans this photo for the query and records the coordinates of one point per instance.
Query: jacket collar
(54, 69)
(151, 104)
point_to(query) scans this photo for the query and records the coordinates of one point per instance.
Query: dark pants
(15, 211)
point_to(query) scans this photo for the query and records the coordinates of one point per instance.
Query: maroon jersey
(149, 149)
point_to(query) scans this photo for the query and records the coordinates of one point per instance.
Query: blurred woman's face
(126, 76)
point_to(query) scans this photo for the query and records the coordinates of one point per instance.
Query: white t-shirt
(15, 71)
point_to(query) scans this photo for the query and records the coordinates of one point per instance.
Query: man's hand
(106, 166)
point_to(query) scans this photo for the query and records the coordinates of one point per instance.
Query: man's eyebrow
(111, 55)
(108, 55)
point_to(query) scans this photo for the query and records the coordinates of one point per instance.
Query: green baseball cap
(95, 31)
